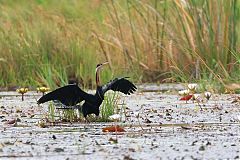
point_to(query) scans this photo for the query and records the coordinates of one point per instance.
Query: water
(157, 126)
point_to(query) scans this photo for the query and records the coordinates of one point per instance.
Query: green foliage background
(48, 42)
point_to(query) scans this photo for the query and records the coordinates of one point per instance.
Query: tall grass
(41, 44)
(188, 39)
(47, 42)
(108, 106)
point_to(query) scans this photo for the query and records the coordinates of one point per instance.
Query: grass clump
(108, 107)
(51, 112)
(70, 115)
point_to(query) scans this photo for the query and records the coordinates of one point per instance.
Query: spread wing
(120, 84)
(68, 95)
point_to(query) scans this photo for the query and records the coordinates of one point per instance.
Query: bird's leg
(97, 117)
(86, 120)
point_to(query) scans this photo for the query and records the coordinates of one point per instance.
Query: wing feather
(68, 95)
(120, 84)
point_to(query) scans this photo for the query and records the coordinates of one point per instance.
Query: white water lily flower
(115, 117)
(184, 92)
(207, 95)
(192, 86)
(196, 96)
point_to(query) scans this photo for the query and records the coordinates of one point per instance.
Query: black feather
(120, 84)
(68, 95)
(71, 95)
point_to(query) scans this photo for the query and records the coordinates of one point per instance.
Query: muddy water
(157, 126)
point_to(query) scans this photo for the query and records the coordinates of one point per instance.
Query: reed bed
(49, 42)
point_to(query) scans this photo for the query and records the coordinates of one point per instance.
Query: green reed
(48, 42)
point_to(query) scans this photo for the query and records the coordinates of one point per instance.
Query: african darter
(71, 95)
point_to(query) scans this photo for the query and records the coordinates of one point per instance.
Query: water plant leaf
(113, 129)
(12, 121)
(186, 98)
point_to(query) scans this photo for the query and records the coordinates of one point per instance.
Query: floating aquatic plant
(184, 92)
(43, 89)
(22, 91)
(115, 128)
(196, 97)
(207, 95)
(41, 124)
(192, 87)
(186, 98)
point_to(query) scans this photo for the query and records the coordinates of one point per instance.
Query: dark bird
(71, 95)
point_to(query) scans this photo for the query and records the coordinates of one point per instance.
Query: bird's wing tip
(38, 101)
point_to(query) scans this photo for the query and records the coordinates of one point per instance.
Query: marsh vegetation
(47, 44)
(50, 42)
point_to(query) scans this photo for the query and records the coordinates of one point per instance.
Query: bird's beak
(105, 63)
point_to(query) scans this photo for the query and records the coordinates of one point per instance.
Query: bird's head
(100, 65)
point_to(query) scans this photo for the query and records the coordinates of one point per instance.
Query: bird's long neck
(97, 77)
(99, 94)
